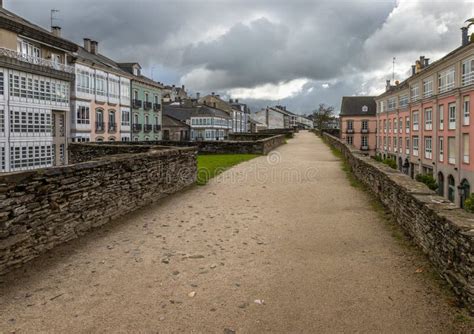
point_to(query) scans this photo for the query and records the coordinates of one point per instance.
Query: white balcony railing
(36, 61)
(446, 87)
(468, 79)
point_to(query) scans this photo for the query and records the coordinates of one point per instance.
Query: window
(146, 97)
(389, 125)
(84, 81)
(466, 111)
(415, 121)
(415, 93)
(395, 144)
(2, 119)
(404, 101)
(28, 49)
(395, 125)
(407, 145)
(365, 141)
(135, 119)
(441, 116)
(26, 121)
(446, 80)
(30, 155)
(441, 148)
(125, 90)
(100, 84)
(428, 119)
(465, 147)
(428, 148)
(82, 115)
(384, 126)
(451, 188)
(391, 103)
(157, 100)
(365, 125)
(452, 150)
(400, 125)
(350, 140)
(415, 146)
(147, 120)
(452, 116)
(125, 117)
(365, 109)
(350, 125)
(135, 94)
(111, 118)
(468, 72)
(407, 124)
(30, 88)
(427, 88)
(384, 143)
(114, 87)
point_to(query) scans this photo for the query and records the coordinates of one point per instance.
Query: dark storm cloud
(225, 45)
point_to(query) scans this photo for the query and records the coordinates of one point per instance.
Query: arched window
(440, 184)
(451, 189)
(112, 139)
(99, 139)
(99, 120)
(465, 191)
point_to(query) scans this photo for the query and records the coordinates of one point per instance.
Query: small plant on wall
(427, 179)
(469, 203)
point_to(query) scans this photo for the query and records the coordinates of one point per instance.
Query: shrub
(469, 203)
(390, 162)
(427, 179)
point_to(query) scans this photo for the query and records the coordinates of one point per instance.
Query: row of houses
(54, 91)
(423, 123)
(279, 117)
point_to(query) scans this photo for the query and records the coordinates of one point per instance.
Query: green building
(146, 96)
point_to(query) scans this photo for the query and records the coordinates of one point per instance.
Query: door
(59, 138)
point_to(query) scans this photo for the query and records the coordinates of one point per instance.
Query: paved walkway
(287, 230)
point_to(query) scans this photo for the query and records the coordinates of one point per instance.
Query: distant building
(238, 111)
(358, 122)
(206, 123)
(273, 118)
(146, 104)
(174, 129)
(100, 99)
(35, 82)
(174, 94)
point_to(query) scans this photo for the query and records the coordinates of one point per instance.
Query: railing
(136, 104)
(112, 127)
(427, 94)
(99, 126)
(147, 128)
(137, 127)
(364, 131)
(36, 60)
(157, 127)
(468, 79)
(364, 148)
(147, 105)
(349, 130)
(156, 106)
(445, 88)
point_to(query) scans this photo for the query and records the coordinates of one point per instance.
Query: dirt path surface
(287, 229)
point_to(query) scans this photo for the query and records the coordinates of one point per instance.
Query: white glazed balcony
(36, 61)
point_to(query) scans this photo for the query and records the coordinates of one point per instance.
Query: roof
(170, 121)
(100, 60)
(184, 113)
(353, 106)
(13, 22)
(128, 68)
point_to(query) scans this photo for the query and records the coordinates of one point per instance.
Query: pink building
(358, 122)
(424, 122)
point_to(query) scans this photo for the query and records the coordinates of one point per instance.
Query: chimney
(56, 31)
(1, 3)
(231, 101)
(236, 100)
(198, 95)
(387, 86)
(212, 93)
(427, 62)
(87, 44)
(182, 87)
(413, 69)
(422, 61)
(94, 47)
(464, 38)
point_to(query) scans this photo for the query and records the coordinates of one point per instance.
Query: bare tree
(322, 115)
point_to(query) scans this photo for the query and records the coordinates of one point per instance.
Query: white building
(35, 81)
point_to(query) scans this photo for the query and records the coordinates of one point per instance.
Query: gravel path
(279, 244)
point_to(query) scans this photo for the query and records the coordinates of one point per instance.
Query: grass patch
(211, 165)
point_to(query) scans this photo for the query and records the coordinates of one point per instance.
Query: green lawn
(210, 165)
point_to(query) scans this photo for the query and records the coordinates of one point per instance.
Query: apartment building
(206, 123)
(238, 112)
(424, 122)
(146, 104)
(100, 99)
(35, 80)
(358, 122)
(272, 118)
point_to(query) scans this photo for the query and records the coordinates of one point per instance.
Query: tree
(322, 116)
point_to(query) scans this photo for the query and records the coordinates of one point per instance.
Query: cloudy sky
(299, 53)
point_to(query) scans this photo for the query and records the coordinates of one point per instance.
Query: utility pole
(53, 11)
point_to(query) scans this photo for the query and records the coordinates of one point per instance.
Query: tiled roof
(170, 121)
(101, 60)
(353, 105)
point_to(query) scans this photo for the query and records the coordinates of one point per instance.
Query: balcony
(147, 105)
(147, 128)
(36, 61)
(137, 128)
(468, 79)
(157, 127)
(349, 131)
(364, 131)
(100, 126)
(136, 104)
(364, 148)
(156, 107)
(112, 127)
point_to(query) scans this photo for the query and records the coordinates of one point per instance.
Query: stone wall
(255, 145)
(44, 208)
(444, 232)
(289, 133)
